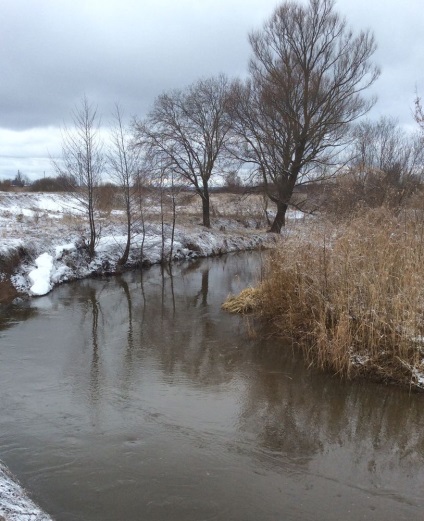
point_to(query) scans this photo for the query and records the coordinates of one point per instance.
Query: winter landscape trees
(124, 165)
(388, 161)
(292, 124)
(286, 124)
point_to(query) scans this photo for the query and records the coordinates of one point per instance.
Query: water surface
(136, 398)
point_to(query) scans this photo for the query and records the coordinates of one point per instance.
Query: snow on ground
(30, 204)
(15, 505)
(60, 262)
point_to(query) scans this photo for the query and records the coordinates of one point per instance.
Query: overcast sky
(52, 52)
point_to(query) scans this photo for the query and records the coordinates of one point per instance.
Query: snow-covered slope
(42, 236)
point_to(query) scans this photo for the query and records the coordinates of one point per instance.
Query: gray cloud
(52, 53)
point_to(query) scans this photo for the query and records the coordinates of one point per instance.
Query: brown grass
(352, 296)
(246, 302)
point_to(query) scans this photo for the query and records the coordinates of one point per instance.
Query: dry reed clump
(246, 301)
(353, 296)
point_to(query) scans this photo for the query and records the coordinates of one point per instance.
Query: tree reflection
(171, 320)
(94, 306)
(12, 314)
(168, 316)
(130, 336)
(300, 415)
(129, 362)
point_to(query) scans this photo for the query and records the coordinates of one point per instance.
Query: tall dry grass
(352, 295)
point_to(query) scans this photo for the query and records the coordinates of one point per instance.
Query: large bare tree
(83, 160)
(187, 130)
(307, 75)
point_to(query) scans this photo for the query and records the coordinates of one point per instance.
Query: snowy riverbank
(15, 505)
(42, 239)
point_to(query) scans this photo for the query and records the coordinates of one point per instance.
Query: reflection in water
(300, 416)
(156, 401)
(189, 340)
(129, 350)
(95, 370)
(123, 283)
(10, 314)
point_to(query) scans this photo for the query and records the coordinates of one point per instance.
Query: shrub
(107, 196)
(61, 183)
(358, 190)
(6, 185)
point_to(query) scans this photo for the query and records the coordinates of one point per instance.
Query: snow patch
(40, 277)
(59, 250)
(8, 245)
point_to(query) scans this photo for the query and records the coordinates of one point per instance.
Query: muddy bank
(8, 292)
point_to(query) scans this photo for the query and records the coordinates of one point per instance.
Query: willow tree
(308, 72)
(187, 130)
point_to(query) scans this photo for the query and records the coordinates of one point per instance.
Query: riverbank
(43, 238)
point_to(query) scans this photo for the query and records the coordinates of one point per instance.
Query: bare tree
(140, 193)
(188, 130)
(308, 72)
(386, 166)
(123, 162)
(83, 160)
(161, 177)
(388, 161)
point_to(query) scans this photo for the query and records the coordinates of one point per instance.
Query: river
(136, 398)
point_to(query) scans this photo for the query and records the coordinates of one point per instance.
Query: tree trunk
(93, 237)
(174, 220)
(280, 218)
(122, 261)
(126, 253)
(206, 207)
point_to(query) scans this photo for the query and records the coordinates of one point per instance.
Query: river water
(136, 398)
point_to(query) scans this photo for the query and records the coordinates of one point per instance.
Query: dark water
(139, 399)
